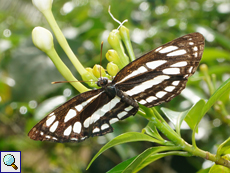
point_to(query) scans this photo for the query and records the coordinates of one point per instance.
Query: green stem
(124, 32)
(225, 87)
(65, 72)
(177, 153)
(64, 44)
(206, 155)
(121, 53)
(193, 136)
(223, 109)
(208, 79)
(213, 79)
(223, 112)
(156, 113)
(178, 141)
(162, 126)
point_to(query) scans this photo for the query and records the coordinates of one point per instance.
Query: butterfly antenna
(121, 23)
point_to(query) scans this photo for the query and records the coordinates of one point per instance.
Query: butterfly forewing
(161, 74)
(155, 77)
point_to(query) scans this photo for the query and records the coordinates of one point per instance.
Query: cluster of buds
(117, 58)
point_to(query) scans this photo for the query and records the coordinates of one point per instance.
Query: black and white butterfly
(150, 80)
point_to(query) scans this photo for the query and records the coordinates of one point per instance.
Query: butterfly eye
(102, 81)
(105, 80)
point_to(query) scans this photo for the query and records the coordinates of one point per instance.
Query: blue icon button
(9, 161)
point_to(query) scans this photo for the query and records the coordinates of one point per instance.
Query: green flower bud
(112, 56)
(87, 77)
(203, 68)
(112, 68)
(42, 39)
(42, 5)
(99, 71)
(114, 40)
(124, 33)
(89, 69)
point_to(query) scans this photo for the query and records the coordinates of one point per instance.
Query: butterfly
(154, 78)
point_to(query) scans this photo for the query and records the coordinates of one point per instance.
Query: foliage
(26, 74)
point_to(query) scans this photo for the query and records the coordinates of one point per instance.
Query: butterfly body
(150, 80)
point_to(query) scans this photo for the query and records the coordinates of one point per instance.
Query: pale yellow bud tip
(42, 39)
(98, 71)
(43, 5)
(203, 67)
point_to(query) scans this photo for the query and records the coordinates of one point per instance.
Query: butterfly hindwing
(161, 74)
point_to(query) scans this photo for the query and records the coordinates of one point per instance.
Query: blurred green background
(26, 73)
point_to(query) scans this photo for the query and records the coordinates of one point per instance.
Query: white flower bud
(42, 39)
(43, 5)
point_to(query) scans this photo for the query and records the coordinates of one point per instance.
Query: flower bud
(43, 5)
(114, 39)
(124, 33)
(99, 71)
(112, 68)
(112, 56)
(42, 39)
(89, 69)
(89, 78)
(203, 68)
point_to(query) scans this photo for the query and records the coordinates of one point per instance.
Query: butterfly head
(102, 81)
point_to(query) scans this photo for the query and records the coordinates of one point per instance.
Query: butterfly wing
(86, 115)
(161, 74)
(156, 77)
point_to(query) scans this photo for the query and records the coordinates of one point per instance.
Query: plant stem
(178, 141)
(62, 41)
(163, 126)
(204, 154)
(65, 72)
(124, 32)
(204, 69)
(65, 46)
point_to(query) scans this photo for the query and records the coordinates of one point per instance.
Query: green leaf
(151, 130)
(124, 138)
(141, 158)
(203, 170)
(214, 53)
(222, 40)
(157, 156)
(191, 116)
(149, 160)
(224, 88)
(218, 69)
(120, 167)
(219, 169)
(224, 148)
(194, 114)
(175, 117)
(139, 162)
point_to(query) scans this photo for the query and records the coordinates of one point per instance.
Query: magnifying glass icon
(9, 160)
